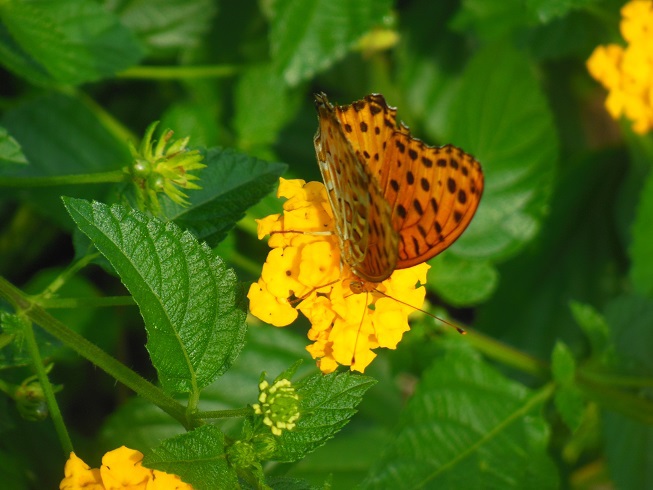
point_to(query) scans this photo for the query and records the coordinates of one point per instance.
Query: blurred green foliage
(552, 386)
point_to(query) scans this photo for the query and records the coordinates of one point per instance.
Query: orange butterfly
(397, 202)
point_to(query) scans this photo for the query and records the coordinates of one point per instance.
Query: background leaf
(10, 151)
(72, 41)
(454, 431)
(307, 37)
(193, 310)
(231, 183)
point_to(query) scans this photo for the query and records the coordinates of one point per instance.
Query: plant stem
(48, 392)
(93, 353)
(70, 303)
(505, 354)
(179, 72)
(222, 414)
(78, 179)
(62, 278)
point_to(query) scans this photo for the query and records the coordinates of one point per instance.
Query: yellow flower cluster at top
(121, 468)
(627, 73)
(303, 272)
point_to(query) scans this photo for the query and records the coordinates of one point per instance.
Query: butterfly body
(396, 201)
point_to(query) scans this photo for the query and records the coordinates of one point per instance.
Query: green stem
(79, 179)
(507, 355)
(93, 353)
(179, 72)
(48, 392)
(62, 278)
(223, 414)
(615, 379)
(71, 303)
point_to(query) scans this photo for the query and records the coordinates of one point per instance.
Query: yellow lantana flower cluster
(627, 73)
(303, 272)
(121, 468)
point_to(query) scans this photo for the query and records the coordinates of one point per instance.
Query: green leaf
(546, 10)
(467, 426)
(627, 447)
(197, 457)
(537, 284)
(192, 307)
(192, 119)
(501, 116)
(68, 41)
(345, 459)
(492, 19)
(631, 317)
(264, 104)
(568, 398)
(10, 150)
(231, 183)
(462, 282)
(61, 136)
(166, 27)
(327, 402)
(641, 270)
(595, 328)
(309, 36)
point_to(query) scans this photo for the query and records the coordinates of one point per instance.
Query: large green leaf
(166, 27)
(191, 303)
(467, 426)
(501, 116)
(309, 36)
(231, 183)
(198, 457)
(68, 41)
(641, 270)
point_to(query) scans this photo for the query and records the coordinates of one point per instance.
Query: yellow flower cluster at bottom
(303, 272)
(121, 469)
(628, 73)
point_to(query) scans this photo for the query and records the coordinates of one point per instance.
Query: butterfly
(396, 201)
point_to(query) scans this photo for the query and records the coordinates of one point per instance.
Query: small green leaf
(596, 329)
(462, 282)
(166, 27)
(264, 104)
(10, 150)
(563, 364)
(197, 457)
(568, 398)
(327, 402)
(193, 310)
(231, 183)
(309, 36)
(641, 270)
(570, 403)
(501, 116)
(546, 10)
(467, 426)
(68, 41)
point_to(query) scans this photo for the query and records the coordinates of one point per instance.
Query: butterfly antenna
(360, 327)
(459, 329)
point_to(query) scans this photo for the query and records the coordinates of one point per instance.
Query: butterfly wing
(368, 242)
(433, 192)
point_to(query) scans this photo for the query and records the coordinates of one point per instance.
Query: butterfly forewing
(397, 201)
(368, 242)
